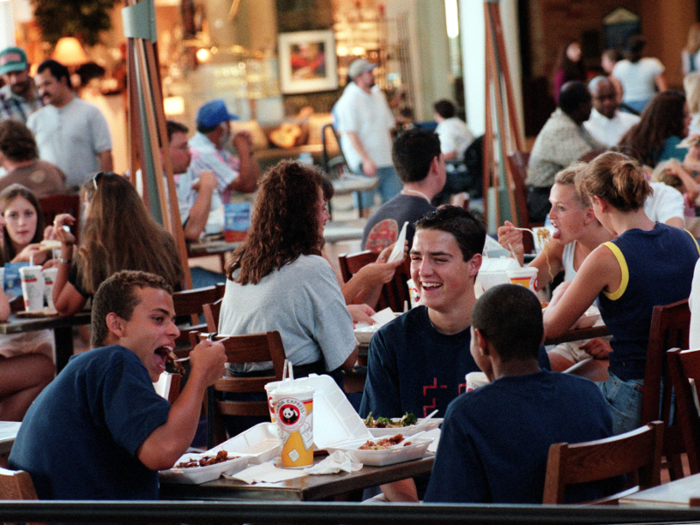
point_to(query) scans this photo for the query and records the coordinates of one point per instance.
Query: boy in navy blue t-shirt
(495, 440)
(99, 431)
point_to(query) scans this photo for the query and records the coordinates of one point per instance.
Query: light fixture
(203, 55)
(69, 52)
(173, 106)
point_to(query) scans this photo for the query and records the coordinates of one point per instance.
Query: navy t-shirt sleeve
(131, 407)
(381, 395)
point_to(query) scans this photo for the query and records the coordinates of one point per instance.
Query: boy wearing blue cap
(209, 153)
(18, 97)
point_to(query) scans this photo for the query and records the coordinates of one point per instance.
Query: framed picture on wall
(307, 61)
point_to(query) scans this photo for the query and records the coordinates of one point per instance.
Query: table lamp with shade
(69, 52)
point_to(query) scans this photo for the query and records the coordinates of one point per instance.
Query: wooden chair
(670, 326)
(53, 205)
(16, 485)
(211, 315)
(684, 366)
(636, 451)
(394, 294)
(191, 302)
(517, 162)
(336, 168)
(251, 348)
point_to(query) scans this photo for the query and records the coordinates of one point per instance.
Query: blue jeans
(389, 186)
(624, 399)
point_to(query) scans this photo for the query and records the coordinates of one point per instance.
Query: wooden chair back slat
(16, 485)
(394, 294)
(250, 348)
(636, 451)
(670, 328)
(211, 315)
(683, 367)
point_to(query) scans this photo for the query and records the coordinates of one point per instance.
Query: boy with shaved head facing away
(100, 431)
(495, 440)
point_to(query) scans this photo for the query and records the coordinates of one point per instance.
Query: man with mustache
(209, 154)
(70, 133)
(18, 97)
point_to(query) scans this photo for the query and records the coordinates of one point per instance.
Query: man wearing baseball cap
(18, 97)
(209, 154)
(365, 122)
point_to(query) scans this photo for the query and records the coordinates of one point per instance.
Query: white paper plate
(421, 426)
(379, 458)
(256, 445)
(197, 475)
(364, 335)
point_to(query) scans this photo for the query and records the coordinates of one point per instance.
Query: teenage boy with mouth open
(99, 431)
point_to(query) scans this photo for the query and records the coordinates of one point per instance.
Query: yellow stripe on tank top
(614, 296)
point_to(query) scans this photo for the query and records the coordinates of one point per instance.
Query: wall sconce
(69, 52)
(174, 106)
(203, 55)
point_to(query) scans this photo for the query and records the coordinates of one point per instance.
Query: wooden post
(143, 67)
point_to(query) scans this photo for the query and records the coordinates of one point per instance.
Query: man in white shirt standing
(70, 133)
(607, 123)
(365, 122)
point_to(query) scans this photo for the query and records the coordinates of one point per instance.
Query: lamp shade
(69, 52)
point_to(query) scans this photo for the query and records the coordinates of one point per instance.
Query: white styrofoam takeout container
(388, 456)
(256, 445)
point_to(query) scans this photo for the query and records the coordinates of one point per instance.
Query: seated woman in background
(118, 234)
(647, 264)
(24, 226)
(672, 173)
(25, 369)
(23, 231)
(663, 125)
(577, 233)
(26, 360)
(280, 281)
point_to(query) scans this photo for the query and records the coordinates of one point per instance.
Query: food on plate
(384, 443)
(50, 244)
(204, 461)
(385, 422)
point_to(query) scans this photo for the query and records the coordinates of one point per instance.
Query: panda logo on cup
(290, 413)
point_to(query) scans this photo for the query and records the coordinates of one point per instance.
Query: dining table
(62, 327)
(674, 494)
(308, 488)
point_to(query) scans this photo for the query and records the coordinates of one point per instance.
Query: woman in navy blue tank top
(647, 264)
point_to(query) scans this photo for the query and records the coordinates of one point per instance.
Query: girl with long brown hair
(663, 125)
(24, 226)
(280, 281)
(118, 234)
(647, 264)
